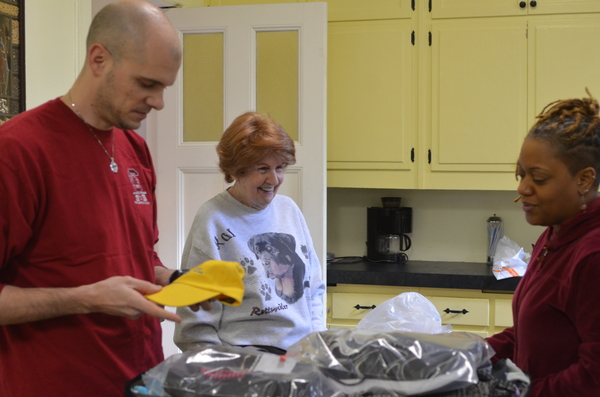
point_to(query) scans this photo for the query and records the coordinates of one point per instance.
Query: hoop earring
(583, 204)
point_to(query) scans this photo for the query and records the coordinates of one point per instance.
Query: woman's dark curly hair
(572, 128)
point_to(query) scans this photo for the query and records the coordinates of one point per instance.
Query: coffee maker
(387, 229)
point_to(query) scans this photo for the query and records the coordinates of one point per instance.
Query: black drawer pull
(463, 311)
(364, 307)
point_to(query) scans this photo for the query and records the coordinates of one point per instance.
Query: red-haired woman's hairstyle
(250, 138)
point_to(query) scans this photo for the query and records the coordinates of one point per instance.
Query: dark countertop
(460, 275)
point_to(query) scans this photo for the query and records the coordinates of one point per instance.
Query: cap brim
(180, 294)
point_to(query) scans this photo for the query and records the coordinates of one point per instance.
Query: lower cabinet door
(462, 311)
(354, 306)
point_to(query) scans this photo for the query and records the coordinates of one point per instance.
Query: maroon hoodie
(556, 311)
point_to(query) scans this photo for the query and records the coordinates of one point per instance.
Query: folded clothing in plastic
(504, 379)
(359, 361)
(226, 371)
(340, 363)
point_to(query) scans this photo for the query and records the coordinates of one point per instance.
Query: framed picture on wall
(12, 59)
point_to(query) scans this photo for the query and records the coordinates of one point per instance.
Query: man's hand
(117, 296)
(123, 296)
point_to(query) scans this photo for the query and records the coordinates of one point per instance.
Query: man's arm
(162, 275)
(117, 296)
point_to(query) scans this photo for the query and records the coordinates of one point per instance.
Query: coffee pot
(387, 229)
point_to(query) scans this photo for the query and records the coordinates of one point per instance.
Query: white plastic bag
(510, 260)
(409, 311)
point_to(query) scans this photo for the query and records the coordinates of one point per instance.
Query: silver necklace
(113, 164)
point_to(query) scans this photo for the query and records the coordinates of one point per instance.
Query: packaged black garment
(222, 371)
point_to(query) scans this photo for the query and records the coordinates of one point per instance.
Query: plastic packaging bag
(338, 363)
(357, 361)
(409, 311)
(512, 260)
(228, 371)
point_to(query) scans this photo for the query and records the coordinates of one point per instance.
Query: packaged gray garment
(505, 379)
(357, 361)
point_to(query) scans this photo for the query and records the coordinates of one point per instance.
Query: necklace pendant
(113, 166)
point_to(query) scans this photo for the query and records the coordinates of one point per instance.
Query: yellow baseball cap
(220, 280)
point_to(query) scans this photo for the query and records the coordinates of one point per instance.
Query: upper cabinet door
(354, 10)
(477, 8)
(370, 110)
(478, 103)
(563, 6)
(553, 77)
(491, 8)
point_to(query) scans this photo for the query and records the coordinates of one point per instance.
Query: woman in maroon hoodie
(556, 307)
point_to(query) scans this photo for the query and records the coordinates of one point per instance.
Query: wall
(447, 225)
(54, 46)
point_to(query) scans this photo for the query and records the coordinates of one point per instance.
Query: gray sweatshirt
(283, 299)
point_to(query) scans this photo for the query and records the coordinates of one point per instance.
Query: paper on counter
(513, 262)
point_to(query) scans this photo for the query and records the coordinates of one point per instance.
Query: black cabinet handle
(364, 307)
(463, 311)
(522, 4)
(533, 3)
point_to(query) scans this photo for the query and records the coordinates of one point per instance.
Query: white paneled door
(233, 64)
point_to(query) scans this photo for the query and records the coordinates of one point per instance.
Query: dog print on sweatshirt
(277, 253)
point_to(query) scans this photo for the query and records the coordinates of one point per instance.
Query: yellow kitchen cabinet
(477, 8)
(489, 78)
(355, 10)
(562, 59)
(478, 107)
(371, 91)
(214, 3)
(495, 8)
(562, 6)
(341, 10)
(370, 98)
(503, 314)
(483, 71)
(466, 310)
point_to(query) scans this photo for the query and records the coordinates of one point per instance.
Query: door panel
(352, 10)
(203, 92)
(377, 59)
(553, 76)
(183, 136)
(475, 8)
(564, 6)
(465, 54)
